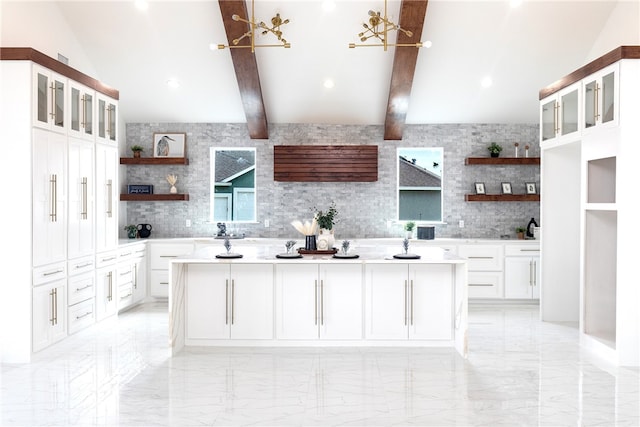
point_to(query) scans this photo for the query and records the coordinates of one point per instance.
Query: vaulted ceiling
(521, 49)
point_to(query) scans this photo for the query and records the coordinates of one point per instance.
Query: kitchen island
(373, 299)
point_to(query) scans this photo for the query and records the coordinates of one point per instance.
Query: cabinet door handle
(86, 264)
(110, 294)
(53, 272)
(315, 303)
(556, 118)
(233, 297)
(84, 204)
(322, 302)
(53, 100)
(534, 272)
(411, 301)
(53, 197)
(596, 101)
(53, 308)
(83, 315)
(405, 303)
(109, 198)
(226, 302)
(135, 276)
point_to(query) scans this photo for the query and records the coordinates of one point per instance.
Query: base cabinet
(226, 301)
(319, 301)
(409, 302)
(106, 292)
(49, 314)
(521, 276)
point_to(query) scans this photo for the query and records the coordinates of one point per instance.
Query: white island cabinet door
(208, 311)
(386, 288)
(521, 276)
(431, 302)
(251, 301)
(340, 302)
(296, 301)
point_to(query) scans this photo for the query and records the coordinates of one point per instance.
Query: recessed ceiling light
(329, 84)
(142, 4)
(486, 82)
(173, 83)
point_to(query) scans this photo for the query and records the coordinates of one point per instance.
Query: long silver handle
(108, 259)
(411, 301)
(530, 276)
(315, 303)
(83, 112)
(125, 273)
(135, 276)
(535, 272)
(556, 118)
(322, 302)
(52, 317)
(86, 264)
(126, 296)
(84, 315)
(226, 302)
(405, 303)
(233, 293)
(596, 109)
(55, 306)
(83, 288)
(84, 204)
(53, 197)
(110, 294)
(49, 273)
(109, 198)
(480, 257)
(52, 113)
(108, 127)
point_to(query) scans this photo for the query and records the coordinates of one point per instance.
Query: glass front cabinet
(559, 114)
(601, 98)
(49, 91)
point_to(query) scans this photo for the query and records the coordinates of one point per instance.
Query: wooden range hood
(412, 16)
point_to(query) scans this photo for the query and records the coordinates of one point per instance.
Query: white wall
(622, 29)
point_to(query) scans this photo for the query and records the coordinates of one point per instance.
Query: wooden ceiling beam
(412, 16)
(246, 68)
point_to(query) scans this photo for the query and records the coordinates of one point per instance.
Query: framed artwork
(506, 188)
(531, 188)
(169, 144)
(480, 188)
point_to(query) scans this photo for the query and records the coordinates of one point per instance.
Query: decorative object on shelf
(132, 231)
(408, 227)
(526, 151)
(169, 144)
(325, 239)
(516, 145)
(531, 188)
(480, 188)
(172, 179)
(405, 252)
(289, 245)
(144, 230)
(494, 149)
(228, 253)
(520, 232)
(139, 189)
(373, 30)
(506, 188)
(326, 221)
(345, 247)
(308, 229)
(227, 244)
(137, 150)
(405, 246)
(254, 26)
(530, 227)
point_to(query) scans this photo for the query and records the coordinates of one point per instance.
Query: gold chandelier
(276, 22)
(373, 30)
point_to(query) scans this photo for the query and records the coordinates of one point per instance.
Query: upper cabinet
(559, 114)
(107, 118)
(82, 107)
(601, 98)
(49, 91)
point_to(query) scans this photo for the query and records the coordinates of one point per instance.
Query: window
(233, 184)
(420, 184)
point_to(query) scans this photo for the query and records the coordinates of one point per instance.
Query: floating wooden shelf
(502, 197)
(154, 161)
(153, 197)
(502, 161)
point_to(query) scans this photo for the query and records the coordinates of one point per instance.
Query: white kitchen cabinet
(521, 277)
(139, 261)
(49, 314)
(49, 91)
(106, 291)
(159, 256)
(81, 213)
(412, 301)
(560, 114)
(226, 301)
(81, 111)
(485, 270)
(131, 276)
(106, 197)
(49, 198)
(107, 119)
(319, 301)
(601, 99)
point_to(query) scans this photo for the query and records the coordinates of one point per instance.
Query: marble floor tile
(520, 372)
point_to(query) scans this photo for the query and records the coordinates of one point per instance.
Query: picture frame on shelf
(169, 144)
(506, 188)
(531, 188)
(480, 188)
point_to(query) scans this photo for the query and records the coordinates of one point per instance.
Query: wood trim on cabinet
(325, 163)
(154, 161)
(153, 197)
(621, 52)
(29, 54)
(502, 161)
(502, 197)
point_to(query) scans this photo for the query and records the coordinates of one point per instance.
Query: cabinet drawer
(81, 288)
(49, 273)
(82, 315)
(485, 285)
(159, 283)
(131, 251)
(522, 250)
(106, 258)
(161, 255)
(125, 295)
(482, 257)
(125, 274)
(81, 265)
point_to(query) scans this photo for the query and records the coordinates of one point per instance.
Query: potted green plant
(494, 149)
(132, 231)
(326, 220)
(137, 149)
(520, 232)
(408, 227)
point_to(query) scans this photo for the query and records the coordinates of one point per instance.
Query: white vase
(325, 239)
(173, 190)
